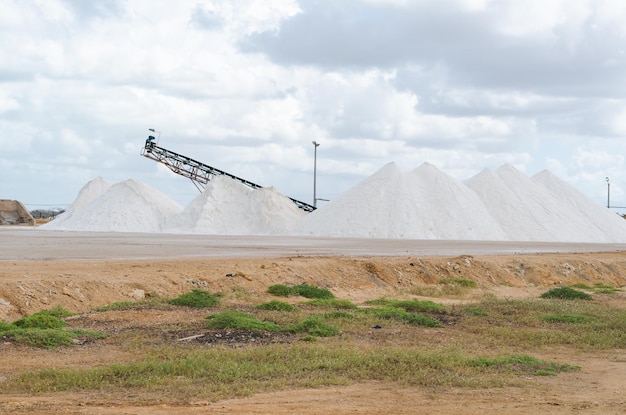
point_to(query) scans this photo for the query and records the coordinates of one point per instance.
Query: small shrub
(234, 319)
(314, 326)
(566, 293)
(195, 298)
(462, 282)
(310, 291)
(338, 314)
(40, 321)
(276, 306)
(280, 290)
(46, 338)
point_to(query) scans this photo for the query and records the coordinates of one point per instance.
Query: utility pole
(315, 146)
(608, 193)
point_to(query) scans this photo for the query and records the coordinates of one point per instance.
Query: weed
(40, 321)
(462, 282)
(400, 314)
(276, 306)
(567, 318)
(566, 293)
(314, 326)
(475, 311)
(338, 314)
(196, 298)
(310, 291)
(333, 303)
(280, 290)
(524, 365)
(303, 290)
(410, 305)
(234, 319)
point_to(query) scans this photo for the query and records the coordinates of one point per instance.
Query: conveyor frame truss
(199, 173)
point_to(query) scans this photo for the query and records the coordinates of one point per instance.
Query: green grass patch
(234, 319)
(196, 298)
(401, 315)
(276, 305)
(40, 321)
(565, 293)
(413, 305)
(461, 282)
(332, 303)
(220, 373)
(524, 364)
(44, 329)
(475, 311)
(314, 326)
(311, 291)
(511, 323)
(280, 290)
(303, 290)
(567, 318)
(338, 314)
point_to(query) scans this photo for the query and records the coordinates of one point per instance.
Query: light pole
(608, 193)
(315, 146)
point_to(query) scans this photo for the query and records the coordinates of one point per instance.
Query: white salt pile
(128, 206)
(87, 194)
(422, 204)
(500, 205)
(593, 216)
(227, 207)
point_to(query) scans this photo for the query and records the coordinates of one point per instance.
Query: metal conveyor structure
(199, 173)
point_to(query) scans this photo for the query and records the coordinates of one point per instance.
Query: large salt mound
(87, 194)
(128, 206)
(593, 215)
(227, 207)
(422, 204)
(528, 211)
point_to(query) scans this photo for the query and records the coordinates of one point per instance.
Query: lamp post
(315, 146)
(608, 193)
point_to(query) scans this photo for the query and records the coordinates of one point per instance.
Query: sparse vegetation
(303, 290)
(234, 319)
(413, 305)
(196, 298)
(44, 329)
(566, 293)
(461, 282)
(276, 306)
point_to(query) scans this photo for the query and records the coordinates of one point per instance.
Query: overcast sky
(247, 85)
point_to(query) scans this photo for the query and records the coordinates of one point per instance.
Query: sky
(246, 86)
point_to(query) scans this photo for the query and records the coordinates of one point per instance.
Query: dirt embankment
(30, 286)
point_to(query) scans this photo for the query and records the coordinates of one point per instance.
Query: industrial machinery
(199, 173)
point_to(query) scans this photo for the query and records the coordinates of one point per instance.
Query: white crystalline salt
(421, 204)
(128, 206)
(87, 194)
(594, 218)
(227, 207)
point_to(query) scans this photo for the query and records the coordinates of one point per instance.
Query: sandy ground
(81, 279)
